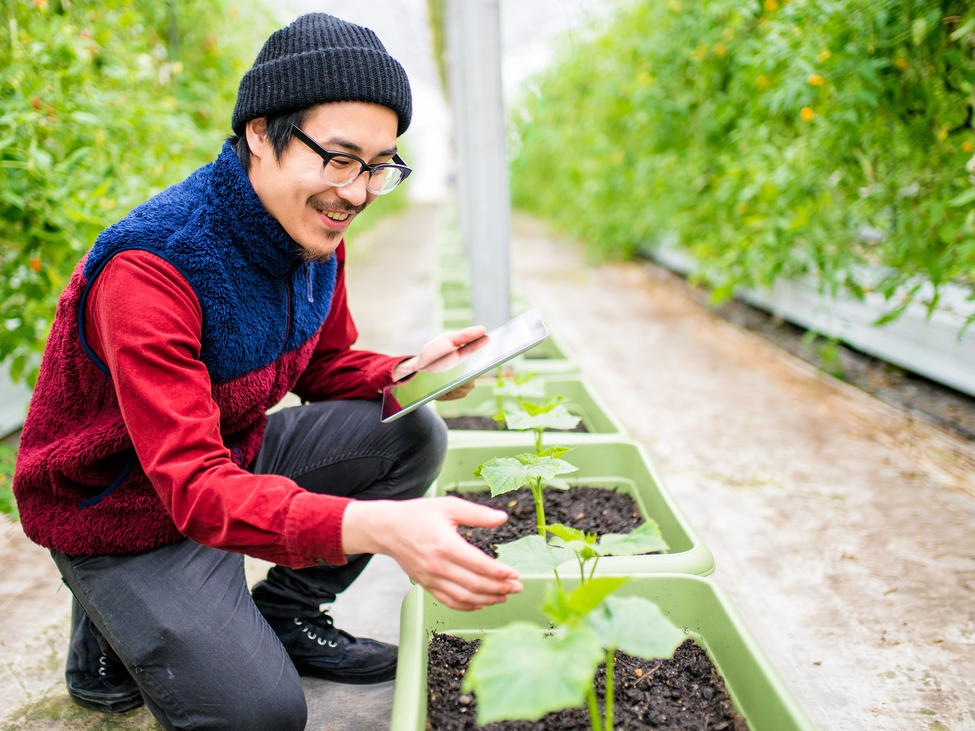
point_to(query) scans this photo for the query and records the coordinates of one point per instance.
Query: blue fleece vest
(259, 299)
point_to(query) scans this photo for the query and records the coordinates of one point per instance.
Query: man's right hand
(421, 535)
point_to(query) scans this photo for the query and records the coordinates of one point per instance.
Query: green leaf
(532, 554)
(558, 417)
(591, 594)
(635, 626)
(555, 451)
(531, 389)
(566, 533)
(520, 673)
(558, 483)
(536, 409)
(565, 610)
(919, 31)
(505, 474)
(963, 30)
(86, 118)
(963, 199)
(646, 538)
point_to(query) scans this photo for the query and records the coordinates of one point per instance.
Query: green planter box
(454, 297)
(701, 607)
(579, 396)
(548, 357)
(620, 464)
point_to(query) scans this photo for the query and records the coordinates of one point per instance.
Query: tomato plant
(778, 139)
(101, 106)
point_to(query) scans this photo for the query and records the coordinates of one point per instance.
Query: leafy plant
(504, 474)
(523, 673)
(552, 414)
(8, 458)
(101, 106)
(824, 138)
(509, 473)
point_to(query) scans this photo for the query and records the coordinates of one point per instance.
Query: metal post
(474, 43)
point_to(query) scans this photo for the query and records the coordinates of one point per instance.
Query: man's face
(293, 190)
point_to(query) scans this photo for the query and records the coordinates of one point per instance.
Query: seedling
(518, 387)
(522, 673)
(504, 474)
(552, 414)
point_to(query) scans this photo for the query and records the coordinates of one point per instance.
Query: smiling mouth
(335, 215)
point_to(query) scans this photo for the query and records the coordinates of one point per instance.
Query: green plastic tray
(702, 608)
(622, 464)
(551, 357)
(579, 396)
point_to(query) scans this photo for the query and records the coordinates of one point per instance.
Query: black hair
(278, 130)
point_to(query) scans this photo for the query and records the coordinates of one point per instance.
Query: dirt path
(842, 528)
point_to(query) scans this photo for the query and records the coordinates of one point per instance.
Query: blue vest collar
(237, 212)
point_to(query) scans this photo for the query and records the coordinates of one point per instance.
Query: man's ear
(257, 140)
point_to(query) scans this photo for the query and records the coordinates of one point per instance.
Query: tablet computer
(464, 364)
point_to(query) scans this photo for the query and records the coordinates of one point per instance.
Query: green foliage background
(102, 104)
(773, 138)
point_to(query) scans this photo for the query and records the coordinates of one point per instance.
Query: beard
(318, 257)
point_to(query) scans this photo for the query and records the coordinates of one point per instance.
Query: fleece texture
(79, 486)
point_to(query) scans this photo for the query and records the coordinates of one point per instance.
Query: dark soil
(590, 509)
(683, 693)
(487, 423)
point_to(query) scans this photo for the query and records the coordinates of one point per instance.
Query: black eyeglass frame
(327, 155)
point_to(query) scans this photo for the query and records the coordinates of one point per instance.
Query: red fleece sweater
(164, 393)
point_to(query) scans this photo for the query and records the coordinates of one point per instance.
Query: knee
(424, 446)
(283, 710)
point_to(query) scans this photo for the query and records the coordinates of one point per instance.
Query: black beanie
(320, 58)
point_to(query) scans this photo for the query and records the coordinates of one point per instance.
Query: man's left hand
(446, 344)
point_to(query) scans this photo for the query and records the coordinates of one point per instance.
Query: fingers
(462, 337)
(460, 588)
(464, 512)
(457, 393)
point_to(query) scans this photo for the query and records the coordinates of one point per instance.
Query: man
(147, 464)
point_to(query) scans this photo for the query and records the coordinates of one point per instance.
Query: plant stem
(594, 567)
(593, 710)
(538, 441)
(558, 581)
(582, 569)
(539, 507)
(610, 669)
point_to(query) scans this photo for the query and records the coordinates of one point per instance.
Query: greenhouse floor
(841, 527)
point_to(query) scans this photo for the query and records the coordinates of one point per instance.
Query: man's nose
(356, 191)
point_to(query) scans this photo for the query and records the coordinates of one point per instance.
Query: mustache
(342, 206)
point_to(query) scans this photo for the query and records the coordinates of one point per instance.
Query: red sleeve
(164, 393)
(335, 371)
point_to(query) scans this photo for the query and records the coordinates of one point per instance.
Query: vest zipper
(308, 288)
(287, 321)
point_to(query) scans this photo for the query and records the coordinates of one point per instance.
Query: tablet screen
(464, 364)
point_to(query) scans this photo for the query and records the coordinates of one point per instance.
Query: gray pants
(180, 617)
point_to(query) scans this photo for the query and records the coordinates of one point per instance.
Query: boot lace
(319, 629)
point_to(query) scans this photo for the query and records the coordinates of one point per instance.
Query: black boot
(96, 678)
(320, 650)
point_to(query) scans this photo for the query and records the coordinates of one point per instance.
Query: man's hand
(450, 343)
(421, 535)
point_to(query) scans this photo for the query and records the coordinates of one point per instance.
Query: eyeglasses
(339, 168)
